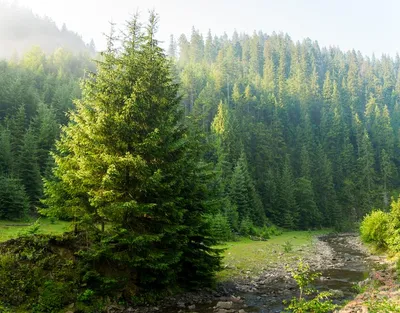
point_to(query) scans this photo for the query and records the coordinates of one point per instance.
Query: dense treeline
(20, 29)
(35, 94)
(303, 136)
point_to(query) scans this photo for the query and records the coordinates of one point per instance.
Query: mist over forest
(20, 29)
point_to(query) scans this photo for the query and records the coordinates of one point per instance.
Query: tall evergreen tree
(127, 159)
(28, 167)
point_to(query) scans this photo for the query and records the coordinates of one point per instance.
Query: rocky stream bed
(341, 259)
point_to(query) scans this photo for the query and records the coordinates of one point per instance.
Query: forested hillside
(304, 136)
(35, 94)
(20, 29)
(300, 136)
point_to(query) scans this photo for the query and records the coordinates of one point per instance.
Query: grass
(247, 258)
(10, 230)
(242, 258)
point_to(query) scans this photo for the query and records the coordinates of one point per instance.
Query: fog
(20, 29)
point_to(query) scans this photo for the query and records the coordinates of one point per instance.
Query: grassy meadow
(246, 258)
(10, 230)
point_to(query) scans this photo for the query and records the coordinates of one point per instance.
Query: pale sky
(365, 25)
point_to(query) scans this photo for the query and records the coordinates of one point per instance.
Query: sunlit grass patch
(10, 230)
(248, 258)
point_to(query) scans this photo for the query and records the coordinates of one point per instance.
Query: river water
(344, 264)
(348, 266)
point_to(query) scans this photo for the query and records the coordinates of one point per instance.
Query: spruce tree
(127, 159)
(14, 202)
(286, 193)
(28, 168)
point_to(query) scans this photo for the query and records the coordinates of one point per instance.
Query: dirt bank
(380, 291)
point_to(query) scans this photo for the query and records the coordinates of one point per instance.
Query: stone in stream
(181, 305)
(224, 305)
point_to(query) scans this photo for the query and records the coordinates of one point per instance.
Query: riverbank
(244, 287)
(380, 292)
(255, 275)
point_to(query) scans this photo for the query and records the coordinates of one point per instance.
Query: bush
(247, 228)
(304, 279)
(265, 233)
(374, 228)
(31, 230)
(287, 246)
(273, 230)
(53, 297)
(17, 280)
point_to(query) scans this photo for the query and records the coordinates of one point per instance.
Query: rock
(222, 311)
(224, 305)
(236, 299)
(192, 307)
(181, 304)
(241, 311)
(337, 293)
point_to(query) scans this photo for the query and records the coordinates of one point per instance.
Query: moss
(45, 273)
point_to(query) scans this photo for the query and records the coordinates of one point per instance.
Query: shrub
(247, 228)
(272, 230)
(393, 240)
(374, 228)
(304, 279)
(53, 297)
(287, 246)
(265, 233)
(32, 229)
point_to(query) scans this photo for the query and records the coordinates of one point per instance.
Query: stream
(347, 265)
(340, 259)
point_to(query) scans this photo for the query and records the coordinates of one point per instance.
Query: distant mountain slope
(20, 29)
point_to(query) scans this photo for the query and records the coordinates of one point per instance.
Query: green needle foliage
(126, 161)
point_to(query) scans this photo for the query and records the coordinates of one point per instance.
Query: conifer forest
(155, 158)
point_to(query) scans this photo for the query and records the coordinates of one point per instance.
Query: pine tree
(47, 129)
(388, 173)
(324, 189)
(13, 199)
(244, 195)
(366, 168)
(309, 216)
(287, 201)
(28, 168)
(6, 157)
(127, 159)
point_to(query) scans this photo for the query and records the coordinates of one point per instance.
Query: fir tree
(127, 159)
